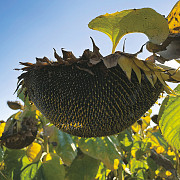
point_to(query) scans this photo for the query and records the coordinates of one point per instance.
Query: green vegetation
(34, 148)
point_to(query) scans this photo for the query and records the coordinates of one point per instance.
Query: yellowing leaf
(145, 20)
(2, 126)
(34, 152)
(136, 127)
(102, 172)
(2, 166)
(170, 153)
(51, 157)
(37, 114)
(17, 115)
(137, 165)
(116, 163)
(125, 139)
(160, 150)
(145, 122)
(133, 153)
(156, 139)
(157, 171)
(168, 173)
(47, 157)
(174, 18)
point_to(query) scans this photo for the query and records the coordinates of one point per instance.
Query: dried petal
(59, 59)
(69, 56)
(96, 49)
(126, 64)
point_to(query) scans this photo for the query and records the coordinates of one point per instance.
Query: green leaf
(126, 140)
(19, 167)
(22, 97)
(1, 154)
(83, 167)
(12, 160)
(157, 139)
(169, 119)
(24, 162)
(30, 171)
(102, 172)
(66, 147)
(44, 121)
(152, 164)
(141, 174)
(102, 148)
(145, 20)
(139, 167)
(138, 149)
(34, 152)
(52, 169)
(136, 165)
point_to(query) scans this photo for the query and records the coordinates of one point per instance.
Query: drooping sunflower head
(94, 96)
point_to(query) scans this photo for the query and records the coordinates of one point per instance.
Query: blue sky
(30, 29)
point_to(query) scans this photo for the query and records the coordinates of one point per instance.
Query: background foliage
(142, 151)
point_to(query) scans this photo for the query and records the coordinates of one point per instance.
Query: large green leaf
(83, 168)
(169, 119)
(104, 149)
(52, 169)
(30, 170)
(66, 147)
(12, 160)
(145, 20)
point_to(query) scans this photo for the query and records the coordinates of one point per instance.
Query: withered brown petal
(59, 59)
(69, 56)
(96, 49)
